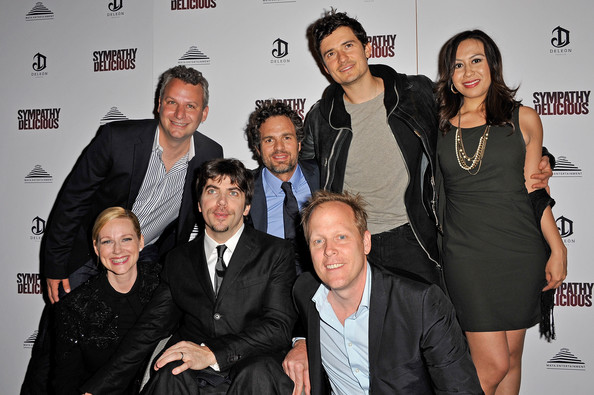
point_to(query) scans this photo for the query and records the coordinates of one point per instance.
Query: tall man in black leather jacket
(374, 132)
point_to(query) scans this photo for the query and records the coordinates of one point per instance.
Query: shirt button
(350, 344)
(357, 370)
(217, 316)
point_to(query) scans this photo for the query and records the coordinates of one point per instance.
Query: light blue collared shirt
(345, 349)
(275, 198)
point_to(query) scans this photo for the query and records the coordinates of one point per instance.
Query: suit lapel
(259, 210)
(243, 254)
(312, 174)
(187, 203)
(377, 310)
(141, 157)
(305, 288)
(201, 267)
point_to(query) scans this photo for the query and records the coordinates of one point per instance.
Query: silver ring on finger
(182, 355)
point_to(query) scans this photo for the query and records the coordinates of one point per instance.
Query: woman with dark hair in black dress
(496, 263)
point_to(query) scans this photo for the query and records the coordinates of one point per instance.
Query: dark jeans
(253, 375)
(398, 251)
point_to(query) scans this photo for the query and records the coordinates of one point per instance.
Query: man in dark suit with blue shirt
(282, 183)
(370, 331)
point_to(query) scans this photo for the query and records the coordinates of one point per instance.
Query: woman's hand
(556, 268)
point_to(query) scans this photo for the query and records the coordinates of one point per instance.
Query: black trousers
(398, 251)
(253, 375)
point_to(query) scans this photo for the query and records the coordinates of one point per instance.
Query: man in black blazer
(369, 331)
(147, 166)
(231, 340)
(274, 133)
(130, 164)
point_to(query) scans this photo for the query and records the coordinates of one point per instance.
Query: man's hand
(543, 176)
(193, 356)
(52, 288)
(297, 367)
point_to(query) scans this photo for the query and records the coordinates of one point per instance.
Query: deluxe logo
(192, 4)
(562, 103)
(297, 104)
(280, 49)
(114, 59)
(574, 295)
(194, 56)
(560, 40)
(39, 118)
(114, 6)
(37, 228)
(565, 360)
(38, 175)
(39, 12)
(564, 168)
(30, 341)
(39, 64)
(382, 46)
(113, 115)
(28, 283)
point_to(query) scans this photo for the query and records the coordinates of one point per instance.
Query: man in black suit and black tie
(226, 296)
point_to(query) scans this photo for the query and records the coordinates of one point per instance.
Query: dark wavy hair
(226, 167)
(260, 115)
(500, 101)
(331, 21)
(187, 75)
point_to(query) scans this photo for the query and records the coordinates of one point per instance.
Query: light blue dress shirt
(275, 198)
(345, 349)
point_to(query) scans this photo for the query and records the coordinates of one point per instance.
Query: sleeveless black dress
(494, 254)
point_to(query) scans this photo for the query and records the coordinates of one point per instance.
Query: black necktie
(220, 267)
(290, 211)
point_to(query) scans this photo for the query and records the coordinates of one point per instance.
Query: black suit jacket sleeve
(75, 201)
(157, 321)
(443, 347)
(271, 331)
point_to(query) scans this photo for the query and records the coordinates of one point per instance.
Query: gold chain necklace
(466, 162)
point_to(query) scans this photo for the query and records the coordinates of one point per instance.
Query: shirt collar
(210, 244)
(274, 183)
(157, 145)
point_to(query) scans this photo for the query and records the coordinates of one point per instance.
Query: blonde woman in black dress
(92, 320)
(496, 262)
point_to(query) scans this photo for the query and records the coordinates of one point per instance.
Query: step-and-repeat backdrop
(68, 67)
